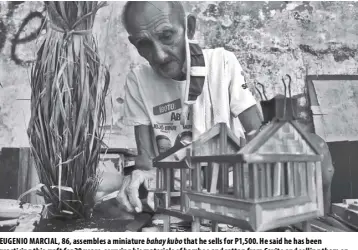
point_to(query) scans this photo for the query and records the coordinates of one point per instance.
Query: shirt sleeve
(134, 112)
(241, 97)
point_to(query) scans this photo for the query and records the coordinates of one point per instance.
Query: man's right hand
(128, 196)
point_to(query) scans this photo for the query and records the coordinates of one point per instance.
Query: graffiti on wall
(16, 34)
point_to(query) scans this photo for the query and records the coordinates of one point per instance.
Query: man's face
(159, 36)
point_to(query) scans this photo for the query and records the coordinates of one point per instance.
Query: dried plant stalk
(69, 85)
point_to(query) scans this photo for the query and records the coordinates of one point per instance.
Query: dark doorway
(345, 161)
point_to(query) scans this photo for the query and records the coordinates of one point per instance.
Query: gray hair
(177, 6)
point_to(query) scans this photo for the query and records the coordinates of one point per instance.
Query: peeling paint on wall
(270, 39)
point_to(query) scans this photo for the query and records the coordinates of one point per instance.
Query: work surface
(12, 219)
(178, 225)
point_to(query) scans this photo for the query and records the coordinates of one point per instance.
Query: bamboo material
(68, 89)
(269, 187)
(262, 180)
(255, 182)
(290, 181)
(236, 180)
(277, 179)
(183, 187)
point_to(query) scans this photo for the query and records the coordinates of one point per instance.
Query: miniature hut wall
(277, 181)
(218, 140)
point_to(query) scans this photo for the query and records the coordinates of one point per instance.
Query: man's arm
(145, 147)
(242, 102)
(129, 194)
(251, 121)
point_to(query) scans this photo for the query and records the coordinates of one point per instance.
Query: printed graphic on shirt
(165, 112)
(165, 127)
(187, 127)
(176, 116)
(163, 143)
(172, 126)
(167, 107)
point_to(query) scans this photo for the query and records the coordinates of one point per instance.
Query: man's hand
(128, 196)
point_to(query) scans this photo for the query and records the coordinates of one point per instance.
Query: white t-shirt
(153, 100)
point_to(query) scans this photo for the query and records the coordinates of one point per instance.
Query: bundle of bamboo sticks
(69, 84)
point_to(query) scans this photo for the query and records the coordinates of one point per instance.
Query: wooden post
(206, 172)
(167, 188)
(172, 179)
(166, 223)
(283, 179)
(246, 183)
(255, 182)
(214, 177)
(194, 179)
(168, 185)
(319, 187)
(296, 177)
(303, 178)
(306, 226)
(236, 180)
(182, 189)
(213, 189)
(223, 173)
(240, 180)
(262, 181)
(290, 180)
(214, 226)
(268, 179)
(158, 181)
(310, 178)
(197, 177)
(224, 187)
(190, 179)
(195, 225)
(277, 179)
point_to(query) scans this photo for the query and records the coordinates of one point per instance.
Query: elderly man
(154, 92)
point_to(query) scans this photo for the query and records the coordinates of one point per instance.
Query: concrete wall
(270, 39)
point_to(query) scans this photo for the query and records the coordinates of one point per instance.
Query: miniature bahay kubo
(273, 181)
